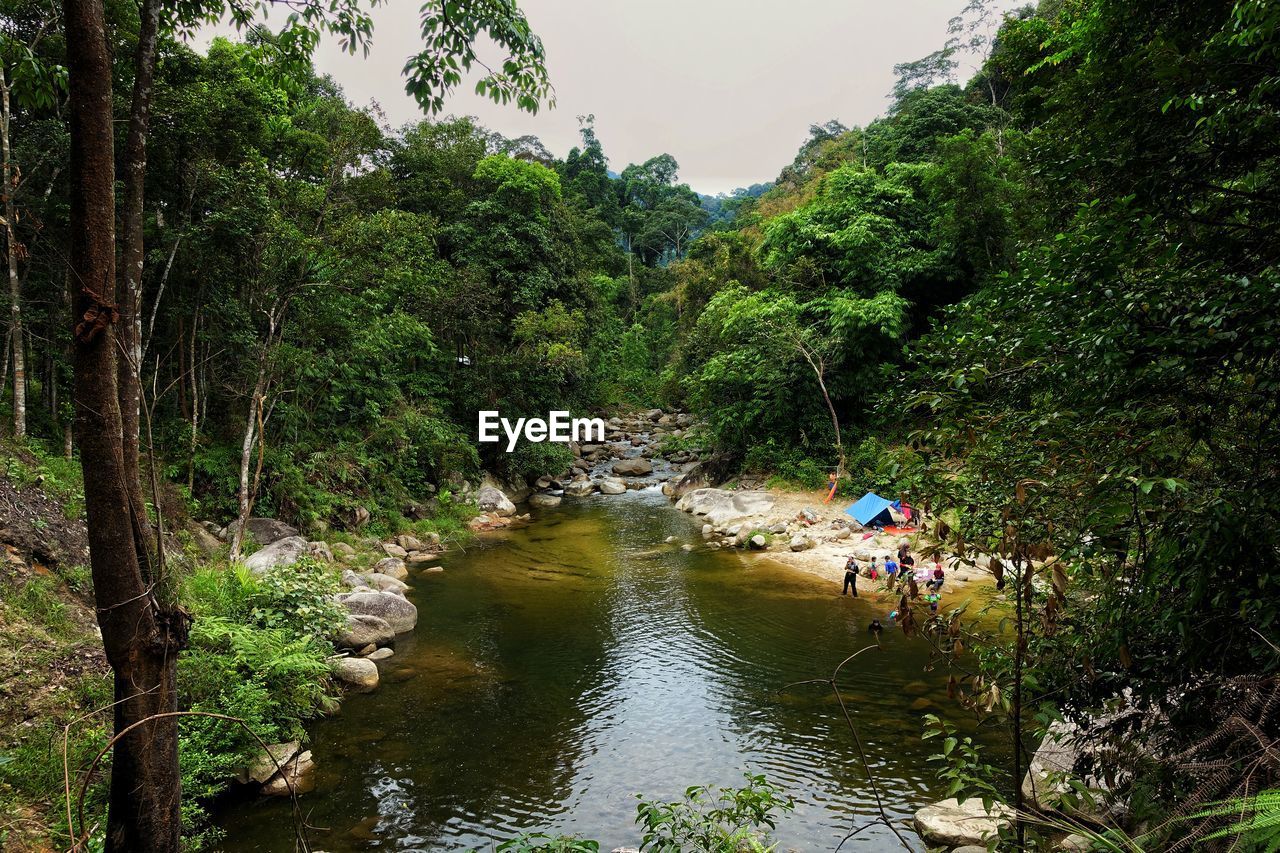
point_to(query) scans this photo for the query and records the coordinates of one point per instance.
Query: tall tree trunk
(15, 286)
(251, 436)
(132, 250)
(141, 639)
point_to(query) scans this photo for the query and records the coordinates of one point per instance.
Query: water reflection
(561, 670)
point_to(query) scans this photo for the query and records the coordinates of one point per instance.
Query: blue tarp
(869, 508)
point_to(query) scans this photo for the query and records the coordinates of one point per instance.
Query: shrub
(533, 460)
(713, 820)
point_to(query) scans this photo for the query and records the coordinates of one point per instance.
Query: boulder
(264, 530)
(343, 550)
(721, 507)
(418, 558)
(284, 552)
(364, 630)
(951, 823)
(351, 580)
(208, 544)
(386, 583)
(408, 543)
(579, 488)
(320, 551)
(391, 567)
(358, 674)
(399, 612)
(264, 765)
(298, 777)
(380, 654)
(653, 414)
(542, 499)
(612, 486)
(515, 488)
(490, 499)
(759, 542)
(633, 467)
(391, 549)
(800, 543)
(360, 517)
(1046, 780)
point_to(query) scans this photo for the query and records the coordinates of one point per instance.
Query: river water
(561, 669)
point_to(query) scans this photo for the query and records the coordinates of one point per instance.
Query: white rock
(391, 567)
(284, 552)
(358, 674)
(951, 823)
(612, 486)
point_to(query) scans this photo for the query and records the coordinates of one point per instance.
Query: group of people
(901, 574)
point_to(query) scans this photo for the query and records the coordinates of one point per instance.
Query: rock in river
(490, 499)
(399, 612)
(544, 500)
(392, 567)
(612, 486)
(298, 776)
(951, 823)
(358, 674)
(284, 552)
(365, 630)
(633, 467)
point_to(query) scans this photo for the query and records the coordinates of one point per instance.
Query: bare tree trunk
(134, 169)
(246, 457)
(141, 638)
(818, 365)
(15, 286)
(195, 405)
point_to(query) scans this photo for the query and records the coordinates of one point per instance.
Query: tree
(25, 79)
(142, 629)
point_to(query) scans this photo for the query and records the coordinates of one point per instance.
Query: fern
(1257, 820)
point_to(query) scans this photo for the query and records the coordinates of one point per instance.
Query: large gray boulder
(721, 507)
(284, 552)
(392, 567)
(386, 583)
(633, 467)
(264, 530)
(298, 777)
(612, 486)
(356, 674)
(579, 488)
(1047, 781)
(267, 764)
(951, 823)
(490, 500)
(363, 630)
(399, 612)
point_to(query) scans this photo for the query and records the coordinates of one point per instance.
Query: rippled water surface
(562, 669)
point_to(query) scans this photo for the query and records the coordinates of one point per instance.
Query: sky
(728, 87)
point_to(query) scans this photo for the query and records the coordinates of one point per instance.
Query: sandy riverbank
(832, 537)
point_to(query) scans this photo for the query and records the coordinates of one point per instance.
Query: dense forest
(1040, 303)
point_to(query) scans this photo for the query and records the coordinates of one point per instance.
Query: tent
(871, 509)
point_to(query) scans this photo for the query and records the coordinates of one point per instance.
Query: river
(561, 669)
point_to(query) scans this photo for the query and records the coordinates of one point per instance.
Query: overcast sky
(728, 87)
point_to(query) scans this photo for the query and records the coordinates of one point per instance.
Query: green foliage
(258, 652)
(713, 820)
(298, 599)
(531, 461)
(961, 764)
(1255, 821)
(540, 843)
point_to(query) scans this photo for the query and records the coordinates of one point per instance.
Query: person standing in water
(850, 576)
